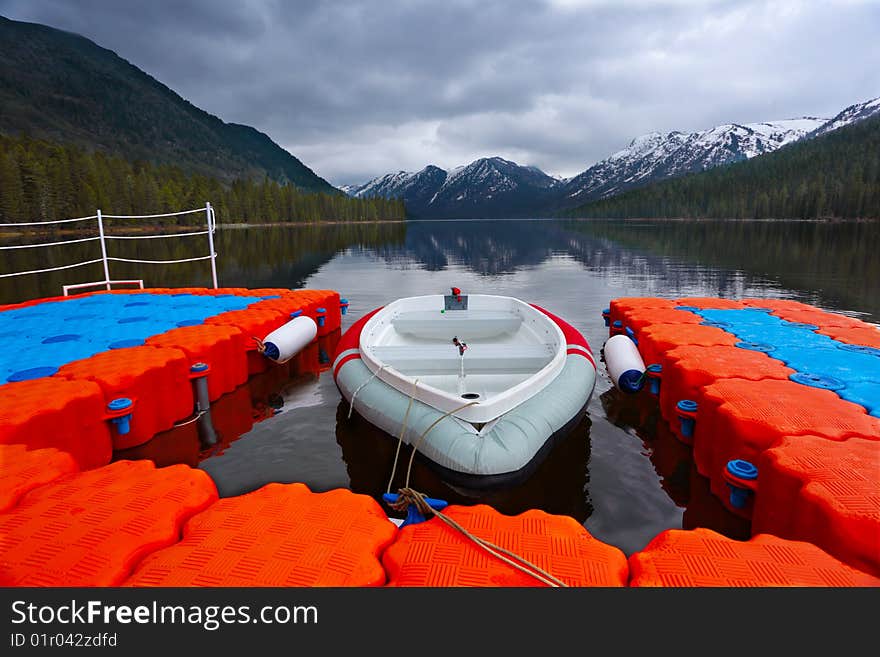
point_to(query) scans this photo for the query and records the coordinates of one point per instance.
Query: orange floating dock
(702, 558)
(22, 470)
(433, 554)
(782, 442)
(69, 519)
(279, 535)
(825, 492)
(134, 352)
(91, 528)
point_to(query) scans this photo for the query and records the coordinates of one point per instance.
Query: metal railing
(210, 223)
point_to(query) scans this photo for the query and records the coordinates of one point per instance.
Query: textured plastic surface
(22, 470)
(692, 367)
(824, 492)
(434, 554)
(51, 334)
(639, 319)
(279, 535)
(92, 528)
(618, 307)
(222, 348)
(53, 412)
(656, 341)
(741, 419)
(701, 558)
(157, 379)
(792, 337)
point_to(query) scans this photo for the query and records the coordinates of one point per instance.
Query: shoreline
(154, 229)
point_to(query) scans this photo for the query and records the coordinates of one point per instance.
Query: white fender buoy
(287, 341)
(625, 365)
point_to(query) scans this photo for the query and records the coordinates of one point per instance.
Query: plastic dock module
(22, 470)
(690, 368)
(638, 320)
(433, 554)
(92, 528)
(619, 306)
(819, 318)
(709, 303)
(867, 336)
(702, 558)
(222, 348)
(656, 341)
(739, 419)
(156, 380)
(777, 304)
(824, 492)
(254, 324)
(279, 535)
(53, 412)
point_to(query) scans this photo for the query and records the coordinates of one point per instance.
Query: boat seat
(478, 359)
(467, 324)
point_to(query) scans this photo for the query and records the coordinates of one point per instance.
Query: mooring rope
(407, 496)
(412, 398)
(425, 433)
(358, 389)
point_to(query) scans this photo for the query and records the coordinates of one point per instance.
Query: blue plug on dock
(739, 470)
(321, 315)
(122, 422)
(687, 410)
(654, 372)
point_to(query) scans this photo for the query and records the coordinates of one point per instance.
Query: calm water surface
(621, 473)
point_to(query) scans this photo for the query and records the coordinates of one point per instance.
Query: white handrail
(37, 246)
(161, 262)
(40, 271)
(151, 216)
(210, 225)
(57, 221)
(149, 237)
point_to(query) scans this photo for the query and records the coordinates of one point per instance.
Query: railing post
(103, 249)
(208, 214)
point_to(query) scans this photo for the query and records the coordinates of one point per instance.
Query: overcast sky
(357, 89)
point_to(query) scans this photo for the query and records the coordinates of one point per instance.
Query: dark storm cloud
(357, 89)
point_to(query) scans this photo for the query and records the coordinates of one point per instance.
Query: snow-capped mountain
(488, 187)
(495, 187)
(656, 156)
(851, 114)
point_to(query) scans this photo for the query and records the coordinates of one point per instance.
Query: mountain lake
(620, 472)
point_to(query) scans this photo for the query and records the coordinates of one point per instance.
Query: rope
(407, 496)
(191, 420)
(400, 436)
(425, 433)
(375, 374)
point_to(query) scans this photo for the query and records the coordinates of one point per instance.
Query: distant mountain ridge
(63, 87)
(488, 187)
(496, 188)
(655, 156)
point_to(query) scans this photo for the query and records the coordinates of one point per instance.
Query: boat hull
(502, 452)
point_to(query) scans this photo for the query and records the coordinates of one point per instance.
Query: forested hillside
(63, 87)
(41, 180)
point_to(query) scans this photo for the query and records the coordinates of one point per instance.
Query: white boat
(480, 384)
